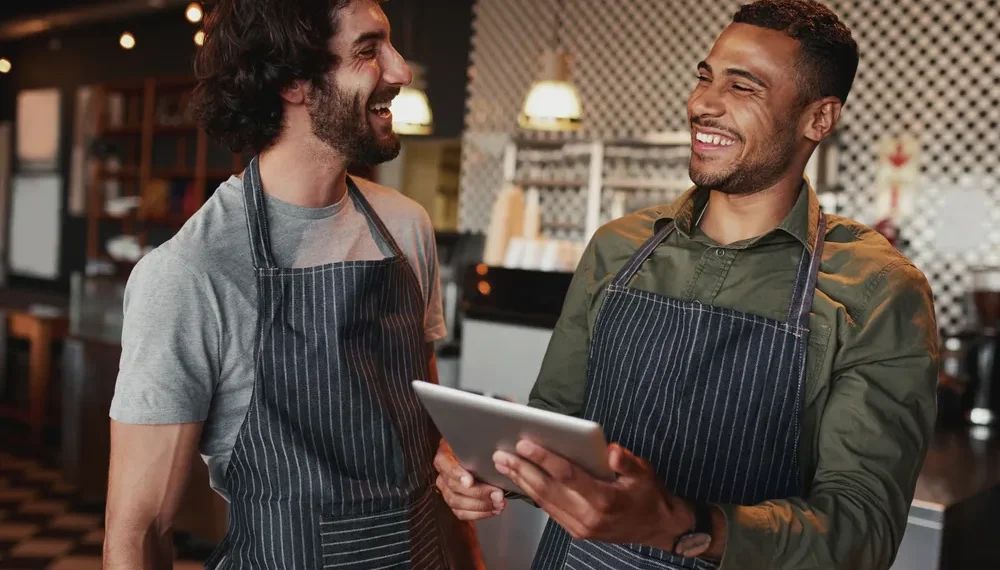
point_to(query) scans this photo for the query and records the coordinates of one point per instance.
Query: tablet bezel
(501, 424)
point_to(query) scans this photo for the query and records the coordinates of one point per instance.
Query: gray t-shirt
(191, 304)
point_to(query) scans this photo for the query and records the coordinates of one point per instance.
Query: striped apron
(332, 467)
(709, 396)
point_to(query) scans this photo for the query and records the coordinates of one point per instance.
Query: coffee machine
(981, 399)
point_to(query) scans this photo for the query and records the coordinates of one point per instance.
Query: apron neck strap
(256, 211)
(366, 208)
(630, 268)
(255, 205)
(806, 277)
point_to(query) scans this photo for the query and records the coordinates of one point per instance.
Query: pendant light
(411, 110)
(553, 103)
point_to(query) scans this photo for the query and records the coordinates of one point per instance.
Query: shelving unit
(147, 146)
(596, 181)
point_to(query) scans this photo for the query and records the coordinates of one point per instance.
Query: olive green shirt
(870, 377)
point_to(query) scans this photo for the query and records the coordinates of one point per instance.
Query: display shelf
(592, 172)
(148, 145)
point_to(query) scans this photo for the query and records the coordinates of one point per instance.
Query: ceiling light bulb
(194, 13)
(4, 65)
(127, 40)
(411, 111)
(553, 103)
(199, 38)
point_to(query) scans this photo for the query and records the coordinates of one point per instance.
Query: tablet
(477, 426)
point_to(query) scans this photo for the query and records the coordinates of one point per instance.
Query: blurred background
(531, 123)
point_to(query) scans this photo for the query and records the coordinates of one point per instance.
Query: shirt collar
(802, 222)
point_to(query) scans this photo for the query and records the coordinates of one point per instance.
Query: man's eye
(369, 53)
(703, 78)
(742, 88)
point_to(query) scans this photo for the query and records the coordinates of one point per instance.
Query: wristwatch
(698, 540)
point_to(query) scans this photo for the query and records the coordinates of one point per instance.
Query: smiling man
(278, 332)
(765, 372)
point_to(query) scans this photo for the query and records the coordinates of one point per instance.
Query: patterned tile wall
(928, 70)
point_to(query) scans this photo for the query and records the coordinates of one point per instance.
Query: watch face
(693, 545)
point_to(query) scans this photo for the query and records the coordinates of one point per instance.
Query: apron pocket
(588, 555)
(380, 540)
(400, 539)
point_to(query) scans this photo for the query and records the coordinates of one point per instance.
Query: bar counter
(960, 483)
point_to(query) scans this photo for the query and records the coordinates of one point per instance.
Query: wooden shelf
(133, 143)
(543, 183)
(168, 173)
(134, 130)
(177, 220)
(646, 184)
(119, 130)
(124, 172)
(176, 129)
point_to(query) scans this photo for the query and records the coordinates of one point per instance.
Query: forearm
(138, 547)
(145, 487)
(834, 532)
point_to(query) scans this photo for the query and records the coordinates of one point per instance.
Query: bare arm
(147, 478)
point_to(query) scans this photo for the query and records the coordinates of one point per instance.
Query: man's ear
(296, 93)
(821, 118)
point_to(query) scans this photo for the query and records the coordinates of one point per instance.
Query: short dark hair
(253, 50)
(828, 58)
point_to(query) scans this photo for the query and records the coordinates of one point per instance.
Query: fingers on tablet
(473, 515)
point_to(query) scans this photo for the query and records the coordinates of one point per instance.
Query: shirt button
(720, 252)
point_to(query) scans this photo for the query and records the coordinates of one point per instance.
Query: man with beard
(278, 332)
(765, 372)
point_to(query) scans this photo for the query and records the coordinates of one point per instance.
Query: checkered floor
(43, 526)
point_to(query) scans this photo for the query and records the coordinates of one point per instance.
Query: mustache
(709, 124)
(385, 95)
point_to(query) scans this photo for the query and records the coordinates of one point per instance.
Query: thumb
(623, 462)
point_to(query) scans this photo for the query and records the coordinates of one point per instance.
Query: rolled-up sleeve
(874, 435)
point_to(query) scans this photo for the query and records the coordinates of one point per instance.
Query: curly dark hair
(828, 59)
(253, 50)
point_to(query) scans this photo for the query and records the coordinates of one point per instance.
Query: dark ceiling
(14, 9)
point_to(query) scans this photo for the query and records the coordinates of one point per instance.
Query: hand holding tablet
(468, 498)
(476, 427)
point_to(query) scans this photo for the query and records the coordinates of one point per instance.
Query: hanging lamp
(553, 103)
(411, 110)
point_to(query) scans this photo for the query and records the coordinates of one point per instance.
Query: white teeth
(716, 140)
(379, 107)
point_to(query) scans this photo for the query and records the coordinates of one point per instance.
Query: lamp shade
(411, 111)
(552, 103)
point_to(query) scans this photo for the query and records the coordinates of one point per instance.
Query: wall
(928, 70)
(164, 46)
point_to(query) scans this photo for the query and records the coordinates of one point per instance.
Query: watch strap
(702, 524)
(702, 518)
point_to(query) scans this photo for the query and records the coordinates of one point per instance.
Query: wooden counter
(40, 319)
(961, 480)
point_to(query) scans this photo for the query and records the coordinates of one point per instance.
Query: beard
(341, 121)
(753, 173)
